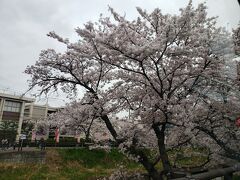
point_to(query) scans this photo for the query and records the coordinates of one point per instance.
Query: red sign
(33, 135)
(238, 122)
(57, 134)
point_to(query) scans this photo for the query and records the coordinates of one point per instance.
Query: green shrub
(96, 157)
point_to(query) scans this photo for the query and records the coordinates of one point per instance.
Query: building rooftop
(10, 96)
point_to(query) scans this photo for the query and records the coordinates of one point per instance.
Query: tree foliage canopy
(165, 71)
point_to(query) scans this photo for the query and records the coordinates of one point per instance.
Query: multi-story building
(12, 109)
(22, 111)
(36, 113)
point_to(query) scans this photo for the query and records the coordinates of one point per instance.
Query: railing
(226, 172)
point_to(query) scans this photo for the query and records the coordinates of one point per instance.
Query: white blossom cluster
(153, 82)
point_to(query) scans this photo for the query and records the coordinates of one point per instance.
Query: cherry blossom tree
(158, 70)
(77, 118)
(236, 39)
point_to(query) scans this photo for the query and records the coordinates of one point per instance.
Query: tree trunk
(87, 137)
(109, 126)
(164, 155)
(167, 170)
(152, 172)
(154, 175)
(88, 130)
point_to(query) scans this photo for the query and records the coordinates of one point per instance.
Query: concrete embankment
(28, 156)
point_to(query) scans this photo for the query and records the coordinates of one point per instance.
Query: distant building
(22, 110)
(34, 113)
(237, 63)
(12, 109)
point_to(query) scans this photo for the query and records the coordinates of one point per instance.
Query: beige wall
(28, 112)
(1, 108)
(20, 120)
(9, 114)
(39, 112)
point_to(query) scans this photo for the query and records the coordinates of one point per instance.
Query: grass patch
(84, 164)
(22, 171)
(64, 164)
(97, 158)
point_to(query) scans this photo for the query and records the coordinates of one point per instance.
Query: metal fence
(226, 173)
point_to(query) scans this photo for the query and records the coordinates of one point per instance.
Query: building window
(12, 106)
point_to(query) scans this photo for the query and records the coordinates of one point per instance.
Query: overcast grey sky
(25, 23)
